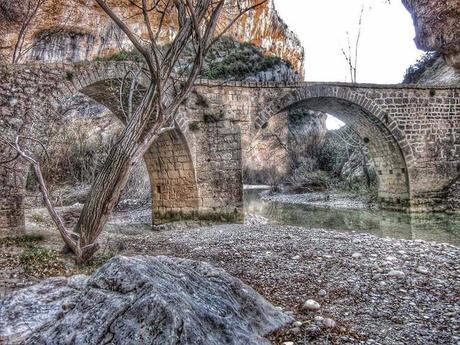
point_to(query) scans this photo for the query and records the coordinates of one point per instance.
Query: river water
(438, 227)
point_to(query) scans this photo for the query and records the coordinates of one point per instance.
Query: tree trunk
(365, 168)
(110, 181)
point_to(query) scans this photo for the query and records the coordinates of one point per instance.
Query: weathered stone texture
(80, 30)
(413, 135)
(437, 26)
(172, 177)
(140, 300)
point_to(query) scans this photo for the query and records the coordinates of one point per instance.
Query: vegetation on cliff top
(415, 71)
(227, 59)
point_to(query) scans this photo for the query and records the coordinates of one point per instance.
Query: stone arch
(369, 121)
(53, 85)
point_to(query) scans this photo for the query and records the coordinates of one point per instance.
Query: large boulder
(140, 300)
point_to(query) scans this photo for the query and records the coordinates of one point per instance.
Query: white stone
(288, 343)
(356, 255)
(422, 270)
(297, 324)
(329, 323)
(322, 293)
(319, 318)
(396, 274)
(297, 257)
(311, 305)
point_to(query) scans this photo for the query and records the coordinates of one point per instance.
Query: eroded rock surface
(437, 27)
(67, 30)
(140, 300)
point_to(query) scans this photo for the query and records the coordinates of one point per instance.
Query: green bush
(123, 55)
(414, 72)
(229, 59)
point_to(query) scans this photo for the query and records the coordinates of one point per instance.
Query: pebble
(396, 274)
(422, 270)
(319, 318)
(295, 330)
(390, 258)
(297, 323)
(311, 305)
(322, 293)
(297, 257)
(356, 255)
(329, 323)
(288, 343)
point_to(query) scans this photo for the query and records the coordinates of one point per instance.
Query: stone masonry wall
(172, 178)
(422, 123)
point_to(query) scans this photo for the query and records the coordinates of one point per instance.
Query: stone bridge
(413, 134)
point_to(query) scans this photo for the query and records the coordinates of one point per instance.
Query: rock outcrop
(67, 30)
(437, 26)
(140, 300)
(432, 69)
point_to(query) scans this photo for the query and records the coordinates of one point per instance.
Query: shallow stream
(438, 227)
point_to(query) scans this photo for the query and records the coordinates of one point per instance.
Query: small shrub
(41, 262)
(23, 241)
(31, 181)
(200, 100)
(414, 72)
(194, 126)
(69, 76)
(123, 55)
(97, 261)
(38, 218)
(303, 180)
(213, 118)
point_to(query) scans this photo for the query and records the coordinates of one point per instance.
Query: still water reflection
(442, 228)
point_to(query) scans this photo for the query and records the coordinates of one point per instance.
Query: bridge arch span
(370, 123)
(55, 87)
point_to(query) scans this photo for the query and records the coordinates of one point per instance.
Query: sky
(386, 47)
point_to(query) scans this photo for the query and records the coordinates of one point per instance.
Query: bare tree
(199, 25)
(351, 54)
(147, 112)
(70, 238)
(355, 145)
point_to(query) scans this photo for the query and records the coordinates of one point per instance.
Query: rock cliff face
(437, 26)
(74, 30)
(432, 70)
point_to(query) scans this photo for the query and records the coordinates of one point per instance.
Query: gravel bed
(342, 288)
(322, 200)
(369, 290)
